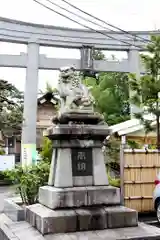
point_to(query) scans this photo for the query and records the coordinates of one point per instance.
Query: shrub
(4, 179)
(2, 175)
(133, 144)
(112, 150)
(114, 181)
(47, 149)
(28, 180)
(2, 152)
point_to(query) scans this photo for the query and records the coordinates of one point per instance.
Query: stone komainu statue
(73, 94)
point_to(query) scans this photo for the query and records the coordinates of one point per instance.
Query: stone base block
(13, 209)
(78, 196)
(50, 221)
(94, 218)
(119, 216)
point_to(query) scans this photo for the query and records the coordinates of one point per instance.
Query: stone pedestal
(77, 156)
(48, 221)
(78, 196)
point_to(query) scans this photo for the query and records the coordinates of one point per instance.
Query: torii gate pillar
(28, 143)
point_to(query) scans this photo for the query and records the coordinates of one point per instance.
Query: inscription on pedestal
(82, 164)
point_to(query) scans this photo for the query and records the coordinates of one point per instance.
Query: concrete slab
(62, 197)
(13, 210)
(121, 216)
(5, 192)
(47, 221)
(107, 195)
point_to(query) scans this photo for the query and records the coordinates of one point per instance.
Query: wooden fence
(138, 173)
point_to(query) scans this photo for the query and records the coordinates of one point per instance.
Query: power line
(84, 18)
(109, 24)
(88, 20)
(97, 31)
(61, 14)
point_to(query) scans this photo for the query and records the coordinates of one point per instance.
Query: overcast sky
(126, 14)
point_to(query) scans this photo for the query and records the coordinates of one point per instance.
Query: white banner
(28, 154)
(7, 162)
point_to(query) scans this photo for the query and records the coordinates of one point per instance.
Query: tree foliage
(147, 88)
(10, 107)
(47, 150)
(111, 94)
(49, 89)
(98, 55)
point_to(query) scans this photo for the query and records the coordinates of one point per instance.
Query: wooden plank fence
(139, 169)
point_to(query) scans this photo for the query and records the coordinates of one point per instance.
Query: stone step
(78, 196)
(48, 221)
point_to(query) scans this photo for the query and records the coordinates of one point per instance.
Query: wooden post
(122, 169)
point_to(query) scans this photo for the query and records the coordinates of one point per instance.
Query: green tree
(98, 55)
(147, 88)
(11, 107)
(111, 94)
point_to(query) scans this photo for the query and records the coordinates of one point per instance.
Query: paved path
(23, 231)
(5, 191)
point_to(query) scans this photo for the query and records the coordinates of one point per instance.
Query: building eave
(48, 97)
(130, 126)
